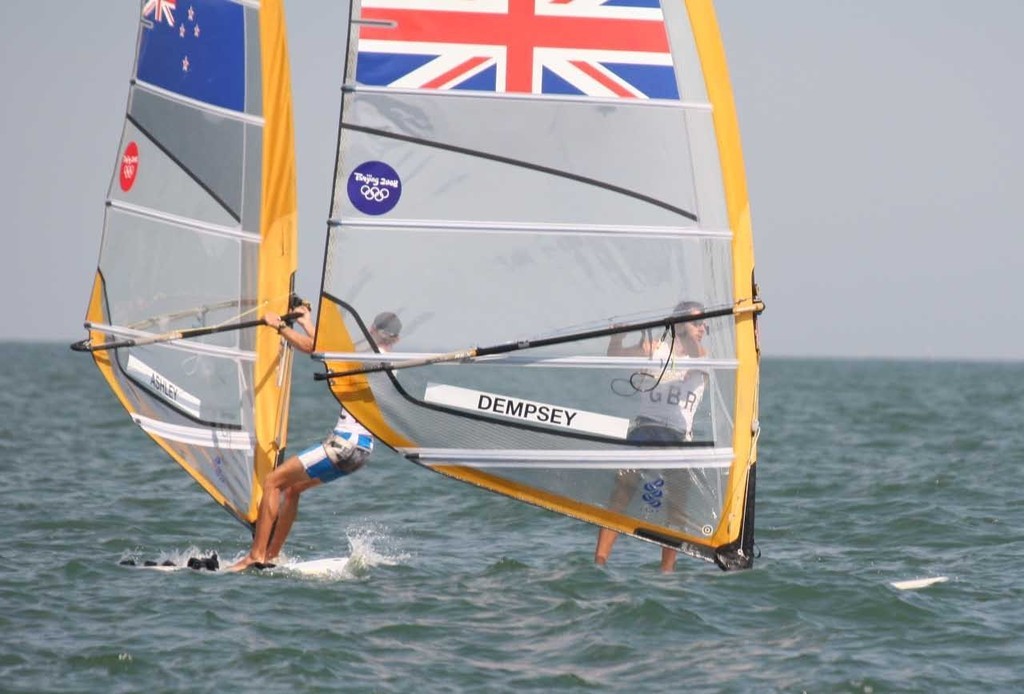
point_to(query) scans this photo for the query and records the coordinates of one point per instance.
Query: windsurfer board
(328, 566)
(156, 567)
(205, 564)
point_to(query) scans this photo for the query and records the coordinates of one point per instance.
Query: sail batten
(580, 465)
(555, 229)
(177, 220)
(199, 436)
(575, 459)
(576, 99)
(577, 203)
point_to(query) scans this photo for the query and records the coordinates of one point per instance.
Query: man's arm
(300, 341)
(616, 348)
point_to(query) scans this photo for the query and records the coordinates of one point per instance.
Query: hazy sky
(883, 144)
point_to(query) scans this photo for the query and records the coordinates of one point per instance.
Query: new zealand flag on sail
(195, 48)
(609, 48)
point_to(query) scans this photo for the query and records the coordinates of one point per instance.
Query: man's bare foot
(243, 564)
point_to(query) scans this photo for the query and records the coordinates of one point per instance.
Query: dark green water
(870, 472)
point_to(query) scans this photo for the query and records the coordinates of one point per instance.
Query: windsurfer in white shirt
(666, 411)
(342, 453)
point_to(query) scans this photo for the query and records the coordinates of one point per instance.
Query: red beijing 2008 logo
(129, 166)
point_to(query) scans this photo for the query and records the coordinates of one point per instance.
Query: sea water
(870, 472)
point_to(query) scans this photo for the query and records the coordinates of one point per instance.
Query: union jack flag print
(605, 48)
(162, 10)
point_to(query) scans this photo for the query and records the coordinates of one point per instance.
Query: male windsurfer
(666, 413)
(342, 453)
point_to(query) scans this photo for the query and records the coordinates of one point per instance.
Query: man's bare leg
(605, 539)
(668, 560)
(277, 481)
(286, 517)
(626, 483)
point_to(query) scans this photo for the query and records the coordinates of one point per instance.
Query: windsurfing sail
(199, 240)
(519, 181)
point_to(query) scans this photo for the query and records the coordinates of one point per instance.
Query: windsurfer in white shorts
(342, 453)
(666, 413)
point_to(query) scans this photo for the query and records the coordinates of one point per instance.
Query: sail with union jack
(522, 183)
(599, 48)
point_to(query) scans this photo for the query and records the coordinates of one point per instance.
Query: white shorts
(335, 457)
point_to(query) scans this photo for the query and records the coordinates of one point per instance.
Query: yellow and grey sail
(199, 240)
(519, 180)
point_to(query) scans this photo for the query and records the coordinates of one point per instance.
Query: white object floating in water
(919, 583)
(331, 566)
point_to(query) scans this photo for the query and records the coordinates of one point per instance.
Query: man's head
(687, 308)
(386, 328)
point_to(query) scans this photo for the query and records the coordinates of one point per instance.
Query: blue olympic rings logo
(653, 492)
